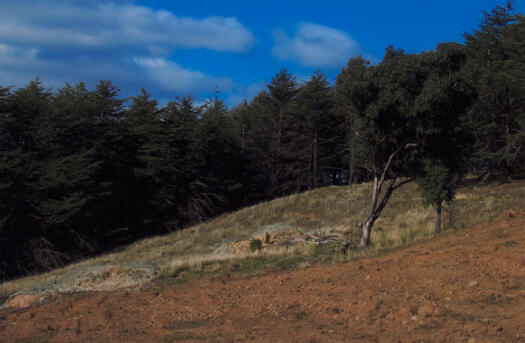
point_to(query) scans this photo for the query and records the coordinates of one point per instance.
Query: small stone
(473, 284)
(425, 310)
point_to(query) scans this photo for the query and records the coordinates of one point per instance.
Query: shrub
(255, 244)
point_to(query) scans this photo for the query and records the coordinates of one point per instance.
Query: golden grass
(403, 221)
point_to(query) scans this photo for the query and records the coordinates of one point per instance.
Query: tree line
(83, 171)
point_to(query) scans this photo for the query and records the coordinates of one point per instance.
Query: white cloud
(91, 25)
(171, 76)
(315, 45)
(90, 40)
(13, 55)
(18, 65)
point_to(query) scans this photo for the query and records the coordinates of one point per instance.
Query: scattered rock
(24, 300)
(425, 310)
(473, 284)
(281, 235)
(85, 279)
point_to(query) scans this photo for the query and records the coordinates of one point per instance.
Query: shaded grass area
(188, 254)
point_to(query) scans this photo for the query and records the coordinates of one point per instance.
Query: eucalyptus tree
(381, 102)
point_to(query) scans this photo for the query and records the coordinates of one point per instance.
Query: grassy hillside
(336, 208)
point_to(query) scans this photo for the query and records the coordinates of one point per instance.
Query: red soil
(463, 287)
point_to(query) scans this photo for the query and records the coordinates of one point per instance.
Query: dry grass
(339, 208)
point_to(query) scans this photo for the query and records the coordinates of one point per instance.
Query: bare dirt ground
(467, 286)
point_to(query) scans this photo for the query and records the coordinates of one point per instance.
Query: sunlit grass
(341, 209)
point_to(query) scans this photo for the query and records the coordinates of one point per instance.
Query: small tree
(438, 184)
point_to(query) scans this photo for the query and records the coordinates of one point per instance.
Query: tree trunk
(437, 226)
(367, 229)
(377, 205)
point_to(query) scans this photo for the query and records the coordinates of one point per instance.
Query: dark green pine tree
(281, 95)
(496, 65)
(188, 202)
(219, 157)
(148, 129)
(20, 172)
(251, 127)
(254, 123)
(310, 158)
(119, 210)
(69, 165)
(353, 93)
(8, 193)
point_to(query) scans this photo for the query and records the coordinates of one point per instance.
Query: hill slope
(472, 277)
(461, 287)
(339, 209)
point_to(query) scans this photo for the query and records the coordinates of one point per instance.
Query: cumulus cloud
(315, 45)
(18, 65)
(16, 56)
(55, 24)
(89, 40)
(171, 76)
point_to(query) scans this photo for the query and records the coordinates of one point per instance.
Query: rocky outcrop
(85, 279)
(279, 236)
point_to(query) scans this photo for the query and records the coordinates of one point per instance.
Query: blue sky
(176, 48)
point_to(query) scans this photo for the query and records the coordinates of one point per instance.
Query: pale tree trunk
(437, 226)
(367, 229)
(377, 205)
